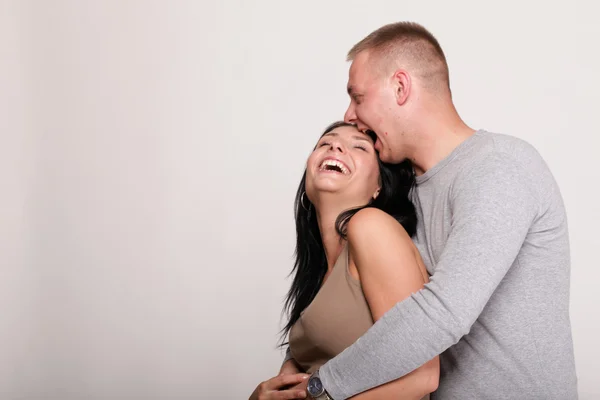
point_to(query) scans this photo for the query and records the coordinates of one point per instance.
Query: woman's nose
(337, 146)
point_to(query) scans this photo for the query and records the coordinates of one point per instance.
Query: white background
(150, 152)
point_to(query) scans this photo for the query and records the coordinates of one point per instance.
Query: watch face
(315, 387)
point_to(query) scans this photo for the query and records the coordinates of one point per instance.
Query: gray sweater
(493, 234)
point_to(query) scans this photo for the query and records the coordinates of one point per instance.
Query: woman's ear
(376, 193)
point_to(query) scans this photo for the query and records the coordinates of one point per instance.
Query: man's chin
(388, 158)
(384, 156)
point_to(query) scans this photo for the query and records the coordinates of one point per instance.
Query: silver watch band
(323, 395)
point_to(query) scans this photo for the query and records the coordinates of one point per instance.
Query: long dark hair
(311, 263)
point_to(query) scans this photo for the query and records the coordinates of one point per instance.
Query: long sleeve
(493, 205)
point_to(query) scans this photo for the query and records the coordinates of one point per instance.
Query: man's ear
(402, 85)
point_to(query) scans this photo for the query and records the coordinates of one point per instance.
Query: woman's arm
(281, 387)
(286, 385)
(290, 367)
(389, 269)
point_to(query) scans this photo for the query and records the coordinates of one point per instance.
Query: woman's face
(343, 163)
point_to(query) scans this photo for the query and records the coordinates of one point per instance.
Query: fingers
(282, 387)
(291, 394)
(288, 379)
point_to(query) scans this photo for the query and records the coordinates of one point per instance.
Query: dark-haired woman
(354, 261)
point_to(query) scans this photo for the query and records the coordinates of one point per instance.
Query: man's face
(373, 107)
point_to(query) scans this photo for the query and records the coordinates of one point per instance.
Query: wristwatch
(315, 388)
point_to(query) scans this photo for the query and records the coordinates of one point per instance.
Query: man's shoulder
(504, 162)
(502, 144)
(504, 151)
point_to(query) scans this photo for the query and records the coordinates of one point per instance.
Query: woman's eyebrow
(357, 137)
(362, 138)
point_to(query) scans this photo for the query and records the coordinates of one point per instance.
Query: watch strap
(322, 396)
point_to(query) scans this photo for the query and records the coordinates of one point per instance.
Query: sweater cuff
(327, 379)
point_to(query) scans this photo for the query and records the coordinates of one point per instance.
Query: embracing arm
(389, 272)
(494, 204)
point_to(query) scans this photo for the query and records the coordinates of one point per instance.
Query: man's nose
(350, 116)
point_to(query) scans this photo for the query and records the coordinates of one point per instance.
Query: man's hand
(282, 387)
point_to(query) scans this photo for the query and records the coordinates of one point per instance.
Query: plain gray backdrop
(150, 152)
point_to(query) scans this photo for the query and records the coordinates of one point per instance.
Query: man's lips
(377, 145)
(376, 142)
(371, 133)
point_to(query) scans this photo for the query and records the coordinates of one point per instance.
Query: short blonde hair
(408, 45)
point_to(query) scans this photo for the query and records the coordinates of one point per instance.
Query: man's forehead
(358, 74)
(354, 81)
(354, 87)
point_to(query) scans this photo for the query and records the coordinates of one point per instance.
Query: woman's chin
(328, 186)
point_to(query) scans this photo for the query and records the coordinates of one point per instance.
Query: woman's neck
(332, 242)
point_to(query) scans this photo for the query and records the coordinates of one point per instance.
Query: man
(492, 231)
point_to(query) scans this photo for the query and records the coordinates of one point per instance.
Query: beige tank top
(338, 315)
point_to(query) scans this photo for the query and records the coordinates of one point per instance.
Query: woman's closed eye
(358, 146)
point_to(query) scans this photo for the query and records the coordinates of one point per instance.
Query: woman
(354, 261)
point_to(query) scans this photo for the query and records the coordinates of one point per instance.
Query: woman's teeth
(334, 165)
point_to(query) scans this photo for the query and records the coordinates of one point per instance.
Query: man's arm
(494, 205)
(389, 272)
